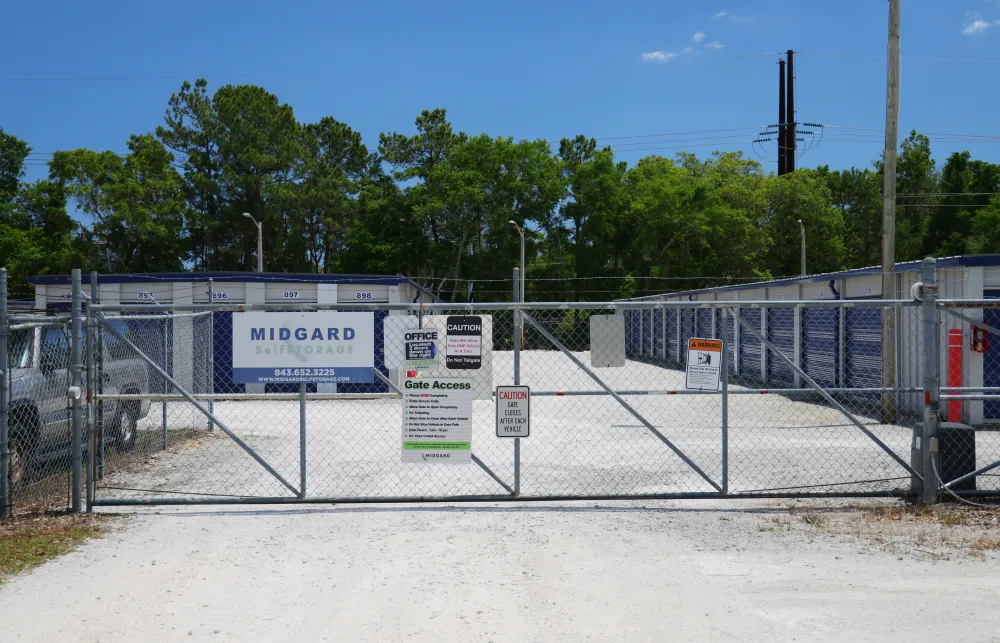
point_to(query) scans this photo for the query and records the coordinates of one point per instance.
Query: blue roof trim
(62, 280)
(962, 261)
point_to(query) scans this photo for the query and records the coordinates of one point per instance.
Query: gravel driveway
(526, 572)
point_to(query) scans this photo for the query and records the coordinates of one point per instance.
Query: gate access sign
(321, 346)
(437, 420)
(704, 364)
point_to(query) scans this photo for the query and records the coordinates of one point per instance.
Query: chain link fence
(807, 406)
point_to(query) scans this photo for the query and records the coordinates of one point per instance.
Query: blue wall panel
(658, 334)
(750, 361)
(705, 323)
(781, 333)
(991, 360)
(687, 331)
(820, 328)
(672, 335)
(864, 347)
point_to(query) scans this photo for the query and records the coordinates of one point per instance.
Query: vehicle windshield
(20, 346)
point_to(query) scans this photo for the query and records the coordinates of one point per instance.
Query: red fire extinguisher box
(979, 340)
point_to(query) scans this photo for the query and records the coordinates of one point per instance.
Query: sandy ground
(685, 571)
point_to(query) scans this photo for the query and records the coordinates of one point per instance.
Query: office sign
(286, 347)
(420, 348)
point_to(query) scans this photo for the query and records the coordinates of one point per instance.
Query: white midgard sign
(321, 346)
(437, 420)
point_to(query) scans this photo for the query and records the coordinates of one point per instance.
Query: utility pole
(782, 127)
(790, 116)
(889, 216)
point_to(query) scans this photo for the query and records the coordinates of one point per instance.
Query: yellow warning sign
(704, 364)
(711, 345)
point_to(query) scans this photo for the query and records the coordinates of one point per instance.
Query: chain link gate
(599, 432)
(806, 409)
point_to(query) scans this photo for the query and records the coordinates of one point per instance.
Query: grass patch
(814, 519)
(28, 541)
(986, 544)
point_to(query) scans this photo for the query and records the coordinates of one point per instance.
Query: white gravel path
(692, 571)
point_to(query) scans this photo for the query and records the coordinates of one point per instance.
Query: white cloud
(978, 26)
(725, 15)
(715, 44)
(659, 56)
(698, 37)
(686, 50)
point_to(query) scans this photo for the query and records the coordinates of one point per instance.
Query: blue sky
(89, 74)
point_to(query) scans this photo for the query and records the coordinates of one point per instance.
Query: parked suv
(39, 417)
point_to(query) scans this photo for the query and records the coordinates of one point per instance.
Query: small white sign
(420, 348)
(513, 411)
(704, 364)
(437, 420)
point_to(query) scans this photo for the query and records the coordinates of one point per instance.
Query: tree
(237, 150)
(137, 203)
(916, 185)
(329, 172)
(597, 199)
(803, 194)
(416, 157)
(858, 196)
(13, 152)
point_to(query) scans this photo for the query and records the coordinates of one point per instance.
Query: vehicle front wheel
(18, 463)
(125, 428)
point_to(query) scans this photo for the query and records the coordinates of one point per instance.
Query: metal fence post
(931, 328)
(91, 411)
(725, 404)
(76, 390)
(302, 440)
(166, 387)
(5, 499)
(518, 338)
(211, 352)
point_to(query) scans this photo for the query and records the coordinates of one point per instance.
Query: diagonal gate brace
(829, 398)
(618, 398)
(222, 425)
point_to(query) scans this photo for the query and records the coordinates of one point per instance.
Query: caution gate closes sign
(704, 364)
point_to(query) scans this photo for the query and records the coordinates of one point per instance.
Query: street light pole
(802, 226)
(520, 231)
(260, 242)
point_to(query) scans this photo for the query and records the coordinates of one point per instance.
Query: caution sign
(704, 364)
(464, 349)
(513, 411)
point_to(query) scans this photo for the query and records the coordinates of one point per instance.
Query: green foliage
(437, 205)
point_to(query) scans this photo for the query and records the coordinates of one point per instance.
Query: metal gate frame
(949, 307)
(523, 313)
